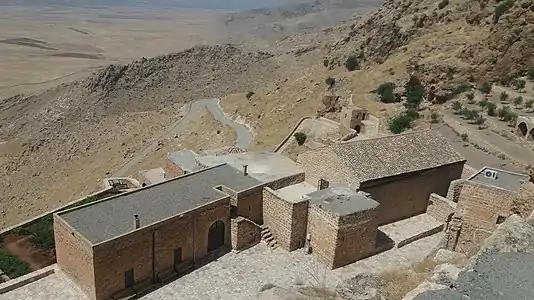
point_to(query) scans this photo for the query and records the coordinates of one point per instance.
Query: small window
(129, 278)
(233, 211)
(501, 219)
(177, 256)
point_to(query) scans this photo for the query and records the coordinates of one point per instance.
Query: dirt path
(243, 140)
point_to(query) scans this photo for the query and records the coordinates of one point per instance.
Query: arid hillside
(55, 146)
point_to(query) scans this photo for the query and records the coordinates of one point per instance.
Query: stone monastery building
(332, 203)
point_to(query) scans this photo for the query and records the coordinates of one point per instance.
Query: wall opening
(500, 219)
(129, 280)
(216, 235)
(177, 256)
(357, 128)
(522, 129)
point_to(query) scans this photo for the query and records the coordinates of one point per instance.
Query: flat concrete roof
(264, 166)
(505, 179)
(296, 192)
(154, 176)
(342, 200)
(185, 159)
(112, 217)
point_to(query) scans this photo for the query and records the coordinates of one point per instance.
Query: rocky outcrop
(362, 287)
(502, 269)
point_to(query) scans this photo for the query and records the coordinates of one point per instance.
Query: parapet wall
(440, 208)
(245, 233)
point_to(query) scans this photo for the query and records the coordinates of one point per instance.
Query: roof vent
(491, 174)
(137, 222)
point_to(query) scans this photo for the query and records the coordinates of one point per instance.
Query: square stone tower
(351, 118)
(342, 225)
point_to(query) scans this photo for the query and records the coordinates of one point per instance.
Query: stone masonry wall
(328, 168)
(407, 195)
(136, 250)
(286, 220)
(74, 256)
(480, 206)
(440, 208)
(322, 229)
(356, 237)
(287, 181)
(245, 234)
(454, 190)
(250, 204)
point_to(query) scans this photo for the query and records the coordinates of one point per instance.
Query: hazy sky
(203, 4)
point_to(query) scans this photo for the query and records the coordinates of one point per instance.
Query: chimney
(245, 170)
(137, 222)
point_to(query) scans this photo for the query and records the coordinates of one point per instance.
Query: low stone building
(119, 245)
(525, 127)
(485, 200)
(342, 225)
(399, 171)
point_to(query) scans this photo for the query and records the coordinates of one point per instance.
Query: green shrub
(501, 9)
(491, 109)
(511, 118)
(529, 104)
(480, 120)
(414, 93)
(503, 97)
(386, 92)
(530, 73)
(470, 96)
(352, 63)
(456, 106)
(443, 4)
(519, 83)
(400, 123)
(12, 266)
(483, 103)
(43, 234)
(462, 88)
(19, 231)
(503, 112)
(518, 101)
(330, 81)
(486, 88)
(470, 114)
(300, 137)
(412, 113)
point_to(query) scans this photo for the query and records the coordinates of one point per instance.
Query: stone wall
(149, 251)
(74, 256)
(480, 207)
(440, 208)
(286, 220)
(454, 190)
(250, 204)
(245, 234)
(330, 167)
(322, 229)
(287, 181)
(172, 170)
(407, 195)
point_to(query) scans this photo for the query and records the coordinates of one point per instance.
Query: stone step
(266, 235)
(264, 231)
(273, 244)
(269, 239)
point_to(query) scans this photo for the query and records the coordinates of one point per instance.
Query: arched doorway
(522, 129)
(216, 235)
(357, 128)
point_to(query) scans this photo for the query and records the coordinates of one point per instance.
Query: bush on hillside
(456, 106)
(486, 88)
(518, 101)
(352, 63)
(491, 109)
(43, 234)
(530, 73)
(462, 88)
(330, 81)
(300, 137)
(12, 266)
(529, 104)
(501, 9)
(386, 92)
(503, 97)
(400, 123)
(519, 83)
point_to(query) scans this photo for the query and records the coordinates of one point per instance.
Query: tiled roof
(396, 154)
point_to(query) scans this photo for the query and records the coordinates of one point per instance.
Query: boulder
(362, 287)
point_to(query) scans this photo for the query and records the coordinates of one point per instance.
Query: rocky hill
(56, 145)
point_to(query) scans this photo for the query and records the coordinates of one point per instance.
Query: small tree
(529, 104)
(530, 73)
(502, 9)
(491, 109)
(456, 106)
(300, 137)
(503, 97)
(462, 88)
(480, 121)
(511, 118)
(519, 83)
(330, 81)
(352, 63)
(518, 101)
(486, 88)
(483, 103)
(400, 123)
(503, 112)
(470, 114)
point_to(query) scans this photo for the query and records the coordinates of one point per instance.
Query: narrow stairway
(268, 237)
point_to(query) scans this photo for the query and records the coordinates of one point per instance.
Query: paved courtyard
(240, 276)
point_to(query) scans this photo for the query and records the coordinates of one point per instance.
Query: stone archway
(522, 129)
(530, 136)
(216, 235)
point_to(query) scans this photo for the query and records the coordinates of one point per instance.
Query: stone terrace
(241, 276)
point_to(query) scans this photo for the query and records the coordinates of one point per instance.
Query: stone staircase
(268, 237)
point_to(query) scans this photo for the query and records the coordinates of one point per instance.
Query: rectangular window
(129, 278)
(177, 256)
